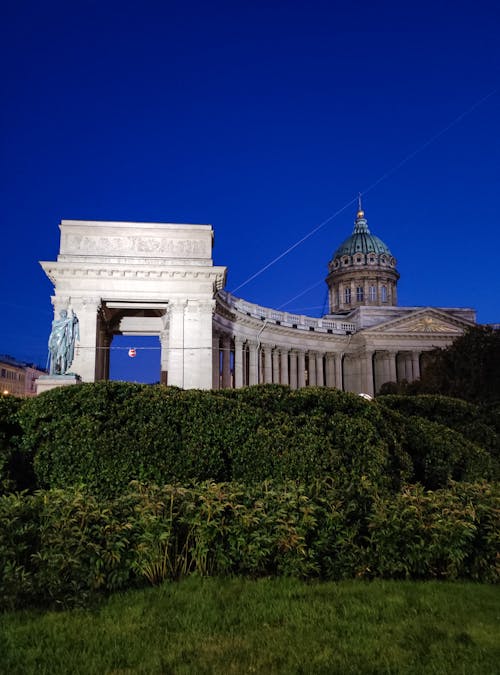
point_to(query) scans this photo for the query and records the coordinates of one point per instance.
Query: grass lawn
(265, 626)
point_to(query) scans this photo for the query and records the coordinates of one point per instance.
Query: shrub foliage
(66, 547)
(109, 433)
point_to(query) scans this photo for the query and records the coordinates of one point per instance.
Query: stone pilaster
(197, 343)
(84, 363)
(175, 366)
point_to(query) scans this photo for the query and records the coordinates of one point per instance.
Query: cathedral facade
(364, 341)
(159, 279)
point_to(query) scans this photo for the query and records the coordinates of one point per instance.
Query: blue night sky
(263, 119)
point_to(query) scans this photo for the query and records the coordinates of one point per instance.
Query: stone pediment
(423, 322)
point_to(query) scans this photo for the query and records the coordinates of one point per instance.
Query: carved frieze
(166, 247)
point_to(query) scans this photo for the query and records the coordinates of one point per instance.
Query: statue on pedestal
(65, 332)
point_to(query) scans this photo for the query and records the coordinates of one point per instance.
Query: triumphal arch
(139, 279)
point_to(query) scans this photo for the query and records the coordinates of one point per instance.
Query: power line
(383, 177)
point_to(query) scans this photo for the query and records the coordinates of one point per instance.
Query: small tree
(469, 368)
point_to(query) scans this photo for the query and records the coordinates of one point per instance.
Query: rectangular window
(372, 293)
(359, 294)
(384, 293)
(347, 296)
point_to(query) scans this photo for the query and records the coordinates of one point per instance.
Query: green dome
(361, 240)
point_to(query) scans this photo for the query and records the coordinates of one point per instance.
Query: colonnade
(238, 362)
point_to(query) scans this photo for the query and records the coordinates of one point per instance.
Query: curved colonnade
(258, 345)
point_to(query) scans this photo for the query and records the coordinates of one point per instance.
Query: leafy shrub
(445, 534)
(446, 438)
(67, 547)
(19, 541)
(479, 424)
(16, 466)
(106, 434)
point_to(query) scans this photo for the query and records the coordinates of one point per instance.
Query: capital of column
(200, 306)
(86, 303)
(176, 305)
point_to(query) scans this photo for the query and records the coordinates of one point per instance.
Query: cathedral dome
(362, 271)
(361, 240)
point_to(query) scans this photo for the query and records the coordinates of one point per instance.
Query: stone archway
(139, 278)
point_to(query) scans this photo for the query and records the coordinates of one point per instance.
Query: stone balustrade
(298, 321)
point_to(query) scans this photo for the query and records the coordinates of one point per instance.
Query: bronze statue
(62, 339)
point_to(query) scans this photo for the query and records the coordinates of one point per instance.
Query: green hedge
(479, 424)
(109, 433)
(66, 547)
(16, 466)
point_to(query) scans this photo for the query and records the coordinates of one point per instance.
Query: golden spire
(360, 213)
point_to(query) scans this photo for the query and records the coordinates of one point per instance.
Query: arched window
(384, 293)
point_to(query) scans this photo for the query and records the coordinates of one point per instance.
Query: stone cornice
(58, 270)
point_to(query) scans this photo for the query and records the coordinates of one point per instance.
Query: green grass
(267, 626)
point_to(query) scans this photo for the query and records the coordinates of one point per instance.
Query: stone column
(276, 366)
(108, 339)
(226, 362)
(284, 366)
(175, 365)
(293, 369)
(312, 369)
(330, 370)
(102, 350)
(301, 368)
(85, 359)
(252, 369)
(268, 364)
(391, 357)
(164, 345)
(197, 343)
(238, 362)
(320, 376)
(367, 373)
(215, 362)
(415, 362)
(339, 366)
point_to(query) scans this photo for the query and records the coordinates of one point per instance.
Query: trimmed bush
(478, 424)
(16, 466)
(106, 434)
